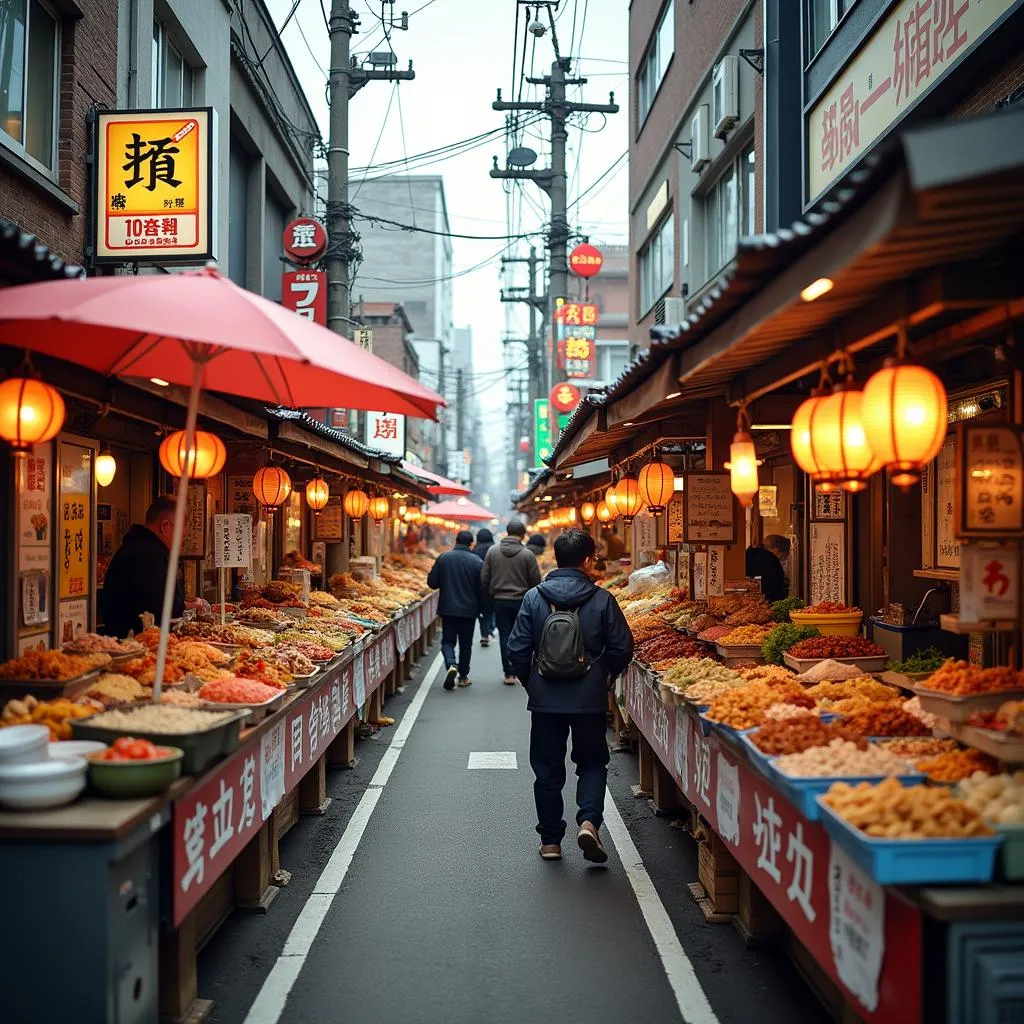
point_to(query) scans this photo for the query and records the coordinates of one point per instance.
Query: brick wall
(87, 76)
(1007, 77)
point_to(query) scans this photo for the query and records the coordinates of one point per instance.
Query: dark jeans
(548, 735)
(457, 628)
(486, 623)
(505, 613)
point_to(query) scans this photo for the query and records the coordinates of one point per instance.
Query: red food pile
(127, 748)
(836, 647)
(237, 691)
(828, 608)
(668, 645)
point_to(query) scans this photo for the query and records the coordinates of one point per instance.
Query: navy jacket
(761, 562)
(481, 547)
(456, 574)
(135, 583)
(606, 638)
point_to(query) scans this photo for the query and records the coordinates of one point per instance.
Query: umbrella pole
(179, 530)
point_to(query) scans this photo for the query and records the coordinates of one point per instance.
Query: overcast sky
(462, 53)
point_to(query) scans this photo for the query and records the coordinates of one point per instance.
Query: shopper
(780, 547)
(567, 665)
(135, 578)
(614, 545)
(510, 570)
(537, 544)
(484, 543)
(764, 564)
(456, 574)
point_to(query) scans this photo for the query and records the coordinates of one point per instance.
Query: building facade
(610, 291)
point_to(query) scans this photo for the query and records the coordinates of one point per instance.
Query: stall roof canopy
(23, 257)
(903, 239)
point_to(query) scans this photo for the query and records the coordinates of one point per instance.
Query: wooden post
(253, 891)
(342, 752)
(665, 795)
(645, 788)
(179, 988)
(277, 827)
(374, 706)
(313, 798)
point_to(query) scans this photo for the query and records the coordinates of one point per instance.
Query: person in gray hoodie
(510, 570)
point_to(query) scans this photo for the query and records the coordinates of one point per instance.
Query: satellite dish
(522, 156)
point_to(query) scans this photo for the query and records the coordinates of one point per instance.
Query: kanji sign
(305, 292)
(710, 508)
(363, 337)
(385, 431)
(565, 397)
(541, 430)
(305, 240)
(915, 47)
(585, 260)
(989, 582)
(991, 491)
(155, 186)
(232, 541)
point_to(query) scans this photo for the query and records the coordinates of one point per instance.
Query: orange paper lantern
(657, 484)
(31, 412)
(271, 485)
(604, 513)
(356, 503)
(206, 458)
(379, 508)
(317, 494)
(628, 500)
(587, 511)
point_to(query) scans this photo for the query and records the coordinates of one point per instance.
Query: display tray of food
(258, 699)
(904, 680)
(997, 743)
(910, 835)
(134, 767)
(871, 664)
(829, 618)
(48, 674)
(999, 799)
(740, 655)
(848, 650)
(707, 724)
(96, 643)
(204, 736)
(759, 760)
(957, 709)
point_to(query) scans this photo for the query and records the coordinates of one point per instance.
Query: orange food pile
(962, 680)
(745, 707)
(957, 765)
(237, 691)
(795, 735)
(886, 720)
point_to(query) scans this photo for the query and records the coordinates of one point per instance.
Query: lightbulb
(815, 290)
(106, 467)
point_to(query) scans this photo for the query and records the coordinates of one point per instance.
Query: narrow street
(446, 915)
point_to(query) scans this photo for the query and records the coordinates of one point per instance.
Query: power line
(373, 219)
(446, 277)
(380, 135)
(604, 174)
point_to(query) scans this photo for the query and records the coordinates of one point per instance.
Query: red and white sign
(585, 260)
(565, 397)
(385, 431)
(305, 292)
(989, 582)
(304, 240)
(791, 861)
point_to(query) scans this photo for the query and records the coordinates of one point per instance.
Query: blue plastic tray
(803, 792)
(759, 760)
(707, 724)
(914, 861)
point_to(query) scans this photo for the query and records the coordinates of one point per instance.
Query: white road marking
(492, 759)
(693, 1003)
(273, 995)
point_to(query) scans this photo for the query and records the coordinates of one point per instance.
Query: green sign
(563, 419)
(541, 430)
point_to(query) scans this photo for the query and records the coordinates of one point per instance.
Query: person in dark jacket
(510, 570)
(763, 563)
(135, 578)
(537, 544)
(456, 574)
(484, 543)
(579, 706)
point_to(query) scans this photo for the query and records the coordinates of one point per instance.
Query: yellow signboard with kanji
(155, 186)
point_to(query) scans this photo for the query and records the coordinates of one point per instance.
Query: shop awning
(436, 483)
(24, 258)
(905, 238)
(462, 510)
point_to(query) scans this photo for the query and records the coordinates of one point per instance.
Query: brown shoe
(551, 851)
(465, 682)
(511, 680)
(589, 842)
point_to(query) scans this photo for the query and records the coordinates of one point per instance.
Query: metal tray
(867, 665)
(959, 709)
(47, 689)
(996, 744)
(255, 712)
(202, 749)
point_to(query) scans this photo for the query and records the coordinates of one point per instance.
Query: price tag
(727, 801)
(359, 682)
(856, 927)
(682, 747)
(272, 768)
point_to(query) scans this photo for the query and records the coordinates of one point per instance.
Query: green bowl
(126, 780)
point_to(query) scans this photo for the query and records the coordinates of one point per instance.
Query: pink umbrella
(463, 510)
(439, 484)
(201, 330)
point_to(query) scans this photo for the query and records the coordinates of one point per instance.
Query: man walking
(484, 543)
(456, 574)
(569, 643)
(510, 570)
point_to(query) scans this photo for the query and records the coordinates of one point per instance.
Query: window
(173, 77)
(29, 48)
(612, 359)
(657, 264)
(822, 18)
(729, 210)
(652, 70)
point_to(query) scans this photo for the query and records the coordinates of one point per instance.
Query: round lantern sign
(305, 240)
(565, 397)
(585, 260)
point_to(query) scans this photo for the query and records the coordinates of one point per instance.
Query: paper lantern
(356, 503)
(379, 508)
(611, 500)
(106, 467)
(800, 437)
(271, 485)
(31, 412)
(206, 458)
(627, 498)
(604, 513)
(317, 493)
(905, 418)
(742, 466)
(587, 511)
(840, 446)
(657, 484)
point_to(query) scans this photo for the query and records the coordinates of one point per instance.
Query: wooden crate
(719, 877)
(756, 920)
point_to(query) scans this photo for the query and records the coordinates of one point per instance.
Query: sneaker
(450, 677)
(511, 680)
(551, 851)
(465, 681)
(589, 842)
(485, 641)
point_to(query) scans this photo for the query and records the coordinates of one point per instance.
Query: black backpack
(560, 653)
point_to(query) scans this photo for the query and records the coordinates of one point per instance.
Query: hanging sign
(989, 582)
(856, 926)
(304, 240)
(710, 508)
(330, 524)
(75, 512)
(991, 490)
(575, 334)
(565, 397)
(946, 541)
(232, 541)
(385, 431)
(827, 562)
(768, 502)
(541, 430)
(305, 292)
(586, 260)
(674, 519)
(155, 186)
(716, 571)
(829, 506)
(700, 575)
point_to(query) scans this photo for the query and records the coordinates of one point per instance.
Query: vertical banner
(541, 430)
(305, 292)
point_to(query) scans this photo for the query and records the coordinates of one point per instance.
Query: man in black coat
(456, 574)
(484, 543)
(135, 577)
(580, 706)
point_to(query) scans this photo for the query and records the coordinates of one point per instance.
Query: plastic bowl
(846, 624)
(76, 748)
(42, 784)
(126, 780)
(23, 744)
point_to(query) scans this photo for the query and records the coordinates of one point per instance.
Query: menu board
(710, 509)
(947, 546)
(827, 562)
(329, 524)
(193, 540)
(928, 516)
(645, 542)
(716, 571)
(232, 541)
(75, 520)
(675, 519)
(35, 539)
(829, 506)
(991, 481)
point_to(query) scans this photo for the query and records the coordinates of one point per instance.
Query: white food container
(23, 744)
(75, 748)
(43, 784)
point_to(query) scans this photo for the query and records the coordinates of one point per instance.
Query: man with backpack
(569, 643)
(456, 574)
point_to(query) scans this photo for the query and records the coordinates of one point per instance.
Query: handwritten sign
(232, 541)
(35, 514)
(675, 519)
(716, 571)
(991, 481)
(710, 509)
(768, 501)
(928, 516)
(947, 546)
(644, 535)
(827, 562)
(329, 524)
(856, 928)
(727, 800)
(700, 575)
(989, 582)
(193, 541)
(272, 780)
(829, 506)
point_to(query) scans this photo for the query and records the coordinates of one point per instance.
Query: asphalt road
(448, 916)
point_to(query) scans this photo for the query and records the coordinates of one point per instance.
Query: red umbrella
(202, 330)
(440, 484)
(467, 511)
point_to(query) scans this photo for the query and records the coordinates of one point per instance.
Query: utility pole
(346, 79)
(538, 303)
(460, 412)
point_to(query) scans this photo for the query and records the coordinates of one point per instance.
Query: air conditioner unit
(700, 142)
(725, 88)
(669, 311)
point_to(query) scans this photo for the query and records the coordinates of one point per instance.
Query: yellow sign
(155, 186)
(917, 45)
(73, 546)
